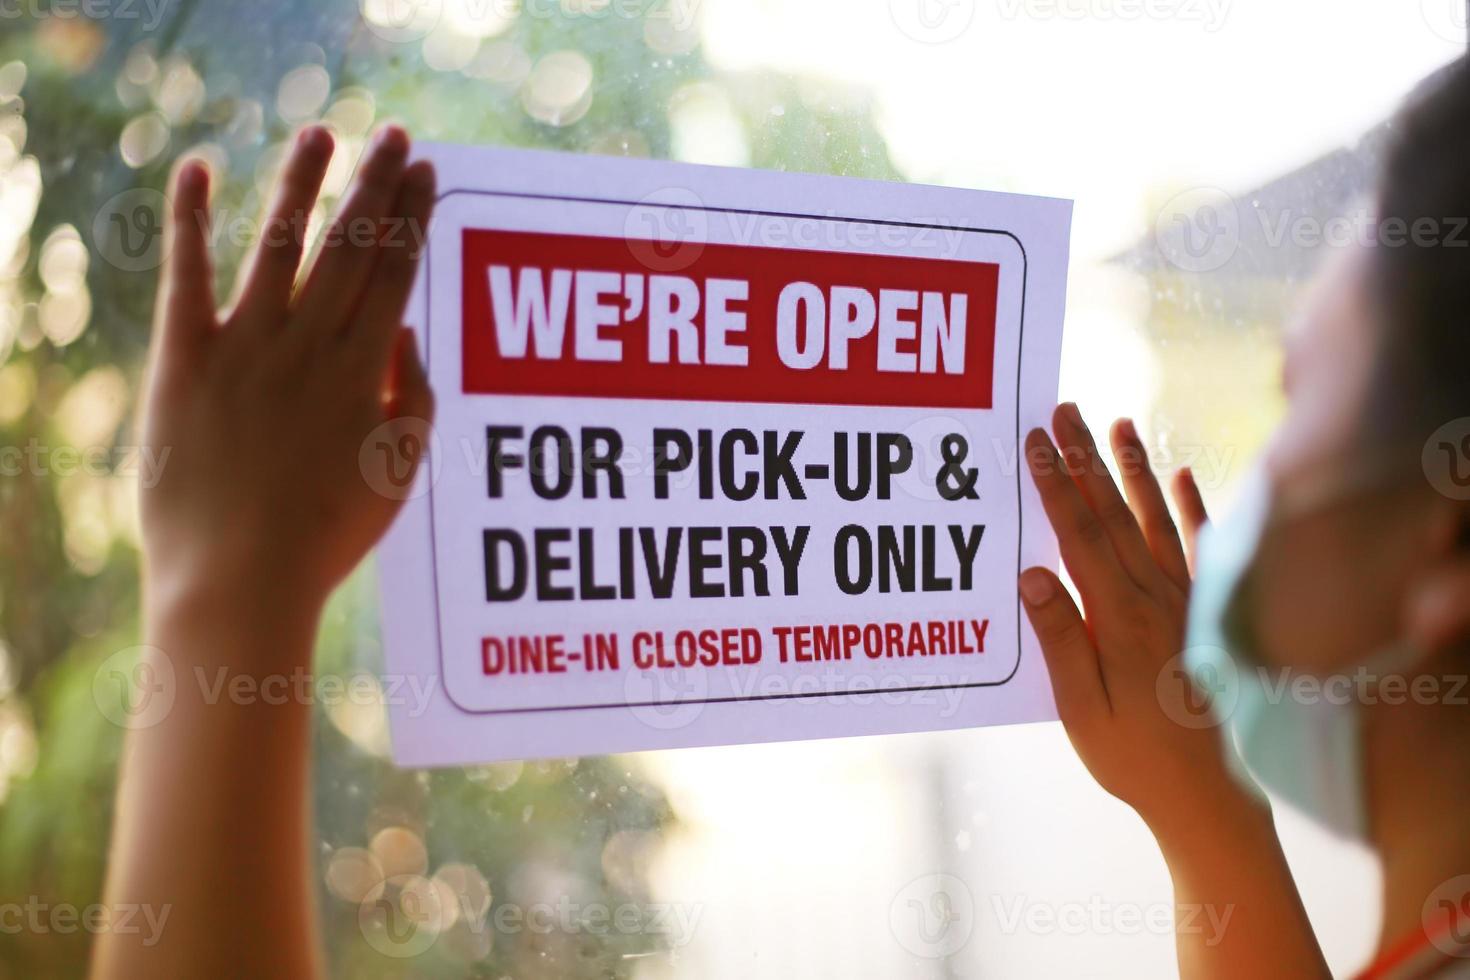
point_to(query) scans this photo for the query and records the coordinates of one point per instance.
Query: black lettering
(853, 585)
(779, 468)
(547, 564)
(966, 548)
(748, 554)
(661, 579)
(702, 562)
(895, 558)
(729, 442)
(495, 591)
(499, 461)
(849, 489)
(606, 461)
(895, 456)
(790, 552)
(558, 467)
(587, 570)
(933, 582)
(672, 453)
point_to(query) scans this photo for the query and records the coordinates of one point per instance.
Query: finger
(1147, 500)
(1071, 660)
(1439, 610)
(1191, 505)
(375, 333)
(350, 245)
(265, 294)
(409, 394)
(1091, 475)
(1083, 541)
(186, 310)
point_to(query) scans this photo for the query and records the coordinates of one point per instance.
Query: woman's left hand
(1116, 671)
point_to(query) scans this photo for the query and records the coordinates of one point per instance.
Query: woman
(1330, 619)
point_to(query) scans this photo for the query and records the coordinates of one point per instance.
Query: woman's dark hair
(1420, 276)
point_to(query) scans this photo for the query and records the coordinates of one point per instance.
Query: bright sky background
(1104, 109)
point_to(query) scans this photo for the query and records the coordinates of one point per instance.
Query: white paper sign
(720, 456)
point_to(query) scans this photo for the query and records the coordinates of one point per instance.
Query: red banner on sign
(582, 316)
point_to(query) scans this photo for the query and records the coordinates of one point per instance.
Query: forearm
(1237, 908)
(213, 816)
(262, 511)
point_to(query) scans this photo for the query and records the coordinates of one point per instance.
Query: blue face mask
(1302, 744)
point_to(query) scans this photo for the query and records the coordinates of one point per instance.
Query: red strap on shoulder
(1427, 952)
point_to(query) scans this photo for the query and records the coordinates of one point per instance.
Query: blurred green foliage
(92, 108)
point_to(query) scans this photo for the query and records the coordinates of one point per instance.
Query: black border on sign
(433, 544)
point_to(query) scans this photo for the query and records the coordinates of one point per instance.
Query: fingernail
(1130, 432)
(392, 137)
(193, 175)
(1037, 442)
(315, 138)
(1036, 587)
(1073, 416)
(423, 177)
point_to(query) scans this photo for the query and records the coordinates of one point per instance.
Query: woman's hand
(1133, 715)
(263, 410)
(1128, 707)
(262, 508)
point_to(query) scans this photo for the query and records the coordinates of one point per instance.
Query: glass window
(1214, 147)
